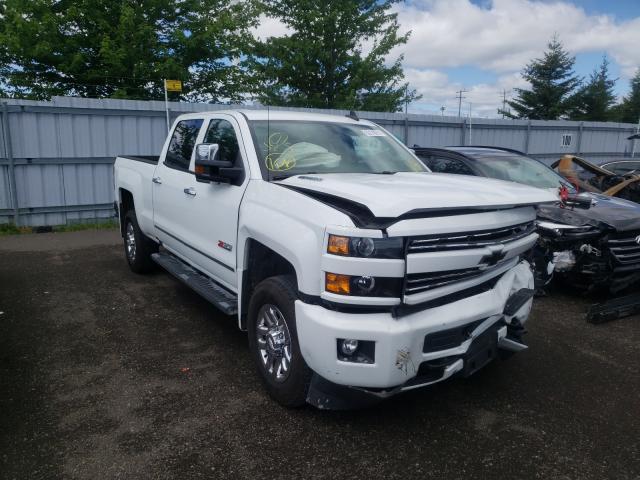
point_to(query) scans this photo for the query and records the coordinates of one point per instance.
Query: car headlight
(562, 229)
(366, 247)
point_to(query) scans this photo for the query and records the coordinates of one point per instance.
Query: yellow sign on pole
(173, 85)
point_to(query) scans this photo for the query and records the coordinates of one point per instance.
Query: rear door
(171, 178)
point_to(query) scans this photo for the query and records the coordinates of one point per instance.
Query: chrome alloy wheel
(130, 242)
(274, 342)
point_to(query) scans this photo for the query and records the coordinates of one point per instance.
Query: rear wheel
(273, 341)
(138, 248)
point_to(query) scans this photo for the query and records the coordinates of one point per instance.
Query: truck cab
(355, 271)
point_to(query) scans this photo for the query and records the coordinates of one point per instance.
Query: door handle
(190, 191)
(157, 180)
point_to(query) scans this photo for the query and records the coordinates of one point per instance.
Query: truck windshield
(289, 147)
(518, 168)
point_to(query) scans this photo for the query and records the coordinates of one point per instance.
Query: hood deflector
(363, 217)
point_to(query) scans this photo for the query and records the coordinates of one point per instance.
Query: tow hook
(507, 343)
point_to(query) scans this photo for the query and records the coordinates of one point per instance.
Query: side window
(182, 142)
(222, 133)
(449, 165)
(622, 167)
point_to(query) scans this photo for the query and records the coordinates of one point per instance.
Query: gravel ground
(107, 374)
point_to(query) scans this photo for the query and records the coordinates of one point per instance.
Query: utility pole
(504, 101)
(460, 97)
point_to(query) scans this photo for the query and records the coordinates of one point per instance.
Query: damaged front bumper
(417, 349)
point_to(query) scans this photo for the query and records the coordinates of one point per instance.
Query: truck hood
(390, 196)
(606, 212)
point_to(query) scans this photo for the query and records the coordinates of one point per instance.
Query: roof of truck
(275, 115)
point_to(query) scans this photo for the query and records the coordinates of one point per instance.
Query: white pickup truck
(357, 273)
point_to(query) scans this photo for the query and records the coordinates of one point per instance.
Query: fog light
(365, 284)
(349, 346)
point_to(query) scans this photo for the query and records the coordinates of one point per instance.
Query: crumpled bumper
(404, 347)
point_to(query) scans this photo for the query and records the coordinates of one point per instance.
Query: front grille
(467, 240)
(624, 247)
(421, 282)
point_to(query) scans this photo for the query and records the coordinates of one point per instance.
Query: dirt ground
(108, 374)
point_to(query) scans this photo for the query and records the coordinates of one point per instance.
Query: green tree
(553, 86)
(122, 48)
(596, 99)
(629, 109)
(333, 57)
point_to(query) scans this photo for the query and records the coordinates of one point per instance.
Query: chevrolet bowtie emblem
(497, 254)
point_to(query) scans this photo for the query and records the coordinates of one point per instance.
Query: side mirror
(209, 168)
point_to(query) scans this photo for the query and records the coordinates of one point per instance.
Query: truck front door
(212, 212)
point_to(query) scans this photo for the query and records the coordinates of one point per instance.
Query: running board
(207, 288)
(613, 309)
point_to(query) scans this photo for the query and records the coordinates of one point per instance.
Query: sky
(482, 45)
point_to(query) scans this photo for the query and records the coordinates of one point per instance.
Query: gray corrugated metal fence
(56, 157)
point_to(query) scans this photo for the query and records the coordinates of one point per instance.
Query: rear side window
(182, 142)
(222, 133)
(449, 165)
(622, 167)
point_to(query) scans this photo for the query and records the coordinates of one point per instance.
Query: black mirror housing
(209, 168)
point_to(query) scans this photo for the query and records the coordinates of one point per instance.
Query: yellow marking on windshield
(275, 161)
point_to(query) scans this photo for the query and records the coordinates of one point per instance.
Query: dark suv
(595, 244)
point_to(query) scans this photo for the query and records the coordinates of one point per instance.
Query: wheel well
(126, 204)
(261, 263)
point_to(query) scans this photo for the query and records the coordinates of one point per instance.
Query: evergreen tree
(122, 48)
(553, 84)
(597, 97)
(629, 109)
(334, 56)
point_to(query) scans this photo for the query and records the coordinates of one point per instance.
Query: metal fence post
(406, 131)
(527, 137)
(463, 131)
(579, 142)
(8, 149)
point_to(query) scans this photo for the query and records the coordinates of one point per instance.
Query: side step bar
(613, 309)
(207, 288)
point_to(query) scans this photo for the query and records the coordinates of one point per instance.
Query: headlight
(363, 286)
(390, 247)
(562, 229)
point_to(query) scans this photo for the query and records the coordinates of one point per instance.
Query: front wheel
(273, 341)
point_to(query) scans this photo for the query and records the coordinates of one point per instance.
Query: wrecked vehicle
(617, 180)
(355, 271)
(591, 239)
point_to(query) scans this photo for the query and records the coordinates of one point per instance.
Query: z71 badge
(225, 245)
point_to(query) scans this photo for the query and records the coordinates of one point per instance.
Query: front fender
(289, 223)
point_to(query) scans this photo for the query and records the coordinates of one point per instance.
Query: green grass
(11, 229)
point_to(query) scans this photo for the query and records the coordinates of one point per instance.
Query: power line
(460, 97)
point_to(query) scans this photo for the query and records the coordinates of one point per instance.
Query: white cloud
(437, 91)
(500, 37)
(504, 36)
(270, 27)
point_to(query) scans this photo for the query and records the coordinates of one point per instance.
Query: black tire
(279, 292)
(138, 258)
